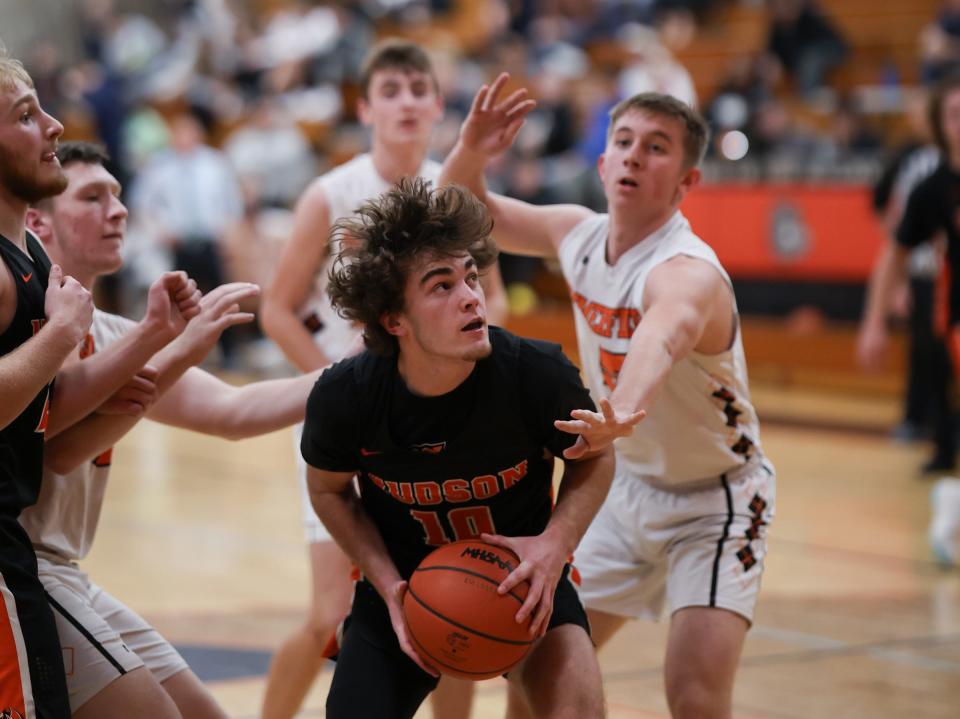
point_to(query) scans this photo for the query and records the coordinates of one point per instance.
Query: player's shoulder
(358, 374)
(525, 354)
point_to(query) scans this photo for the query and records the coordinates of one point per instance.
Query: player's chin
(478, 350)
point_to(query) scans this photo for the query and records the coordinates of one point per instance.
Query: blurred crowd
(217, 113)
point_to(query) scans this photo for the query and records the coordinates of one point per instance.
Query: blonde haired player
(657, 327)
(401, 103)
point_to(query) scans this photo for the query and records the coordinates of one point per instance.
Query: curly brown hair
(389, 236)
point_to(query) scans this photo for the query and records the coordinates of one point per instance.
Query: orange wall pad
(789, 232)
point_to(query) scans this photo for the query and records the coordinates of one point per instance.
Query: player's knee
(691, 698)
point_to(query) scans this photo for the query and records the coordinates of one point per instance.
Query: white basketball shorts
(702, 547)
(102, 639)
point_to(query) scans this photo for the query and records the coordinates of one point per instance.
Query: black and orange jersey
(21, 442)
(433, 470)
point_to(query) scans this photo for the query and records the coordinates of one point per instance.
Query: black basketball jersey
(21, 442)
(433, 470)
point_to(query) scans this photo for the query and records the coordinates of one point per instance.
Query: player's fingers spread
(607, 410)
(522, 108)
(495, 89)
(542, 616)
(571, 426)
(534, 597)
(512, 99)
(234, 318)
(479, 99)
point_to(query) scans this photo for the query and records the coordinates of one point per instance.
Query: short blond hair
(696, 132)
(12, 70)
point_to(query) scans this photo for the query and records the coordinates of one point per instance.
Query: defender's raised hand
(597, 430)
(492, 123)
(218, 310)
(172, 301)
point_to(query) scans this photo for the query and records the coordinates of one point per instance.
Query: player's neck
(87, 279)
(432, 376)
(13, 219)
(627, 232)
(393, 162)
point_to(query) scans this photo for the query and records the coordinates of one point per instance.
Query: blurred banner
(788, 232)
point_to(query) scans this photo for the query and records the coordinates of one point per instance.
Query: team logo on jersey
(606, 321)
(26, 277)
(429, 447)
(364, 452)
(610, 365)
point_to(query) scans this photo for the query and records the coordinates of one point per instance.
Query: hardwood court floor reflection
(202, 536)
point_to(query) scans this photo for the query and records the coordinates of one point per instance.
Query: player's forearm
(84, 440)
(287, 330)
(644, 371)
(26, 370)
(465, 167)
(351, 528)
(84, 386)
(890, 270)
(202, 403)
(583, 488)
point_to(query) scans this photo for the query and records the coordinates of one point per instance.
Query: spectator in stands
(804, 42)
(188, 196)
(940, 43)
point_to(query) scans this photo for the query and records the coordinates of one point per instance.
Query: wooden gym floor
(202, 536)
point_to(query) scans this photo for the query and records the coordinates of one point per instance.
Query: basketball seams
(488, 674)
(434, 612)
(484, 577)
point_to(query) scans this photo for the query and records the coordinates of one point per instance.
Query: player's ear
(689, 180)
(363, 112)
(38, 222)
(393, 324)
(600, 165)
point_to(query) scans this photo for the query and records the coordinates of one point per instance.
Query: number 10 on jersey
(466, 522)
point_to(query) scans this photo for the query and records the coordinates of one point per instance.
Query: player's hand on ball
(394, 600)
(597, 430)
(541, 564)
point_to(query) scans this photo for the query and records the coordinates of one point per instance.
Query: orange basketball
(458, 622)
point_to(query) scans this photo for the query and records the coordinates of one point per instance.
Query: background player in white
(400, 102)
(657, 328)
(83, 229)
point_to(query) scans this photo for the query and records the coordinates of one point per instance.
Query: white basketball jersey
(64, 519)
(702, 423)
(346, 188)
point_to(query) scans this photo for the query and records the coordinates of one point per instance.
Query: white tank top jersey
(346, 188)
(64, 519)
(702, 423)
